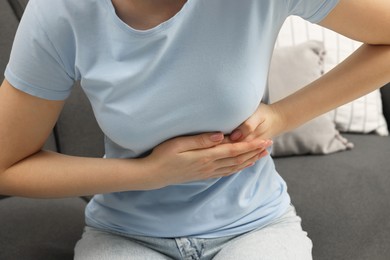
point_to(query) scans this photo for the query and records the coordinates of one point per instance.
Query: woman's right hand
(200, 157)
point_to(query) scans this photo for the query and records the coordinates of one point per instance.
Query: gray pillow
(291, 69)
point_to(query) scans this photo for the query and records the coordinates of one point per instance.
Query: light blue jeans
(282, 239)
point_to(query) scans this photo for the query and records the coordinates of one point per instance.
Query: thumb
(200, 141)
(250, 125)
(246, 128)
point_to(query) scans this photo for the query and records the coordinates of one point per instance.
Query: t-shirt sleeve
(35, 66)
(311, 10)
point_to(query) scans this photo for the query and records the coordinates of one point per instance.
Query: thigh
(100, 245)
(283, 240)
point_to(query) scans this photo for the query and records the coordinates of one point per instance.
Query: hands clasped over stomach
(204, 156)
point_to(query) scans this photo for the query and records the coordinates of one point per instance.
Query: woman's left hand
(265, 124)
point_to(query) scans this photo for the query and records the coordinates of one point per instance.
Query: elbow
(8, 184)
(4, 163)
(3, 168)
(380, 49)
(3, 191)
(377, 41)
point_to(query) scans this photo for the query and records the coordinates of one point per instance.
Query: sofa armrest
(385, 91)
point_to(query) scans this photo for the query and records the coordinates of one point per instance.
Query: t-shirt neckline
(158, 28)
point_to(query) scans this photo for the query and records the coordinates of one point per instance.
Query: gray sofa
(343, 198)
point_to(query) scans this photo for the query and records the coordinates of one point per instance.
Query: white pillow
(292, 68)
(363, 115)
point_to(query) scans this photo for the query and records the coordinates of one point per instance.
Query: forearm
(364, 71)
(178, 160)
(53, 175)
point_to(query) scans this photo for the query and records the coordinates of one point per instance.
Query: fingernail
(263, 154)
(262, 143)
(266, 143)
(250, 165)
(217, 137)
(236, 135)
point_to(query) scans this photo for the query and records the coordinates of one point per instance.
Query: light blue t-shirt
(203, 70)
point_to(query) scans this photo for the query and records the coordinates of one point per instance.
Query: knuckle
(232, 169)
(202, 141)
(252, 146)
(239, 160)
(232, 152)
(225, 174)
(204, 160)
(207, 171)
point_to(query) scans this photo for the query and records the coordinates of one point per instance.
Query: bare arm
(364, 71)
(26, 170)
(25, 123)
(365, 21)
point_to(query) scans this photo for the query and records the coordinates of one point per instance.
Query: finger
(243, 159)
(226, 140)
(239, 160)
(226, 171)
(202, 141)
(263, 154)
(233, 150)
(257, 142)
(246, 128)
(236, 135)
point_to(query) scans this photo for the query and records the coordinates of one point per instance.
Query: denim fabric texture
(282, 239)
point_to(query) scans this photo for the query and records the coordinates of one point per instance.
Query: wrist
(281, 118)
(151, 173)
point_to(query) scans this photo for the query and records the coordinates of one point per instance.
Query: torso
(196, 68)
(200, 67)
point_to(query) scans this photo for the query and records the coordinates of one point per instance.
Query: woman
(176, 87)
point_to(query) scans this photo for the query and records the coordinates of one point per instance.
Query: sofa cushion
(343, 199)
(8, 18)
(77, 130)
(40, 229)
(18, 7)
(7, 33)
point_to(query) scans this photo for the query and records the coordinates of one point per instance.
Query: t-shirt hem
(282, 208)
(323, 11)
